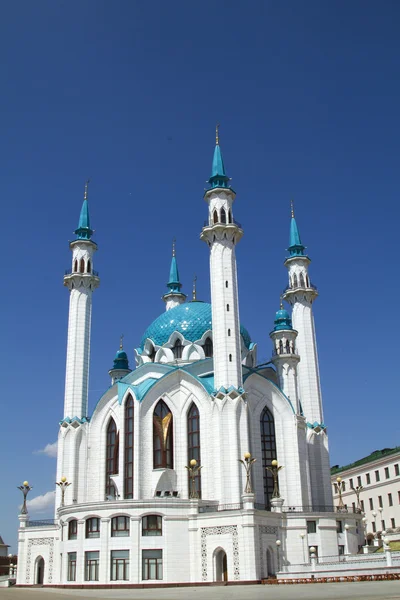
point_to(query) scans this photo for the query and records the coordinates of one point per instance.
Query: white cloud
(42, 503)
(49, 450)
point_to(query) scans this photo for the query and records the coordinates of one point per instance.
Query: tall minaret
(81, 281)
(174, 296)
(300, 294)
(222, 234)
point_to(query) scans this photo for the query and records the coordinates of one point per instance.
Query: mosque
(175, 476)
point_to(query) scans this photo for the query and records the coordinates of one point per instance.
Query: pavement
(368, 590)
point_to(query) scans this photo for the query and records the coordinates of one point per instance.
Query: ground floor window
(71, 575)
(92, 566)
(119, 565)
(152, 567)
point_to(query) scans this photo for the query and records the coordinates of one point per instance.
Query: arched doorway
(39, 570)
(221, 565)
(270, 563)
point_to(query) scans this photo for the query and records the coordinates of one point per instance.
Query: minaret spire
(84, 232)
(296, 248)
(174, 296)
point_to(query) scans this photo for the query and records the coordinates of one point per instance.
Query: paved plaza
(373, 590)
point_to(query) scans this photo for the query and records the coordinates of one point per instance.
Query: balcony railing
(310, 509)
(234, 222)
(69, 272)
(301, 287)
(220, 507)
(42, 523)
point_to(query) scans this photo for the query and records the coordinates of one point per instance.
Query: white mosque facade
(134, 512)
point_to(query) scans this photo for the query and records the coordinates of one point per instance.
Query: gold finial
(281, 304)
(217, 134)
(121, 340)
(85, 195)
(292, 208)
(194, 294)
(173, 247)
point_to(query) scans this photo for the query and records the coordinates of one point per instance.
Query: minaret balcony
(289, 288)
(71, 272)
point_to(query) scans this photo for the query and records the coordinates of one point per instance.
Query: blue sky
(128, 94)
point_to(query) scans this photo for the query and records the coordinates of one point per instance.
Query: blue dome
(121, 360)
(191, 319)
(282, 320)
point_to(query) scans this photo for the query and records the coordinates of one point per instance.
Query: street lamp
(62, 484)
(340, 486)
(248, 462)
(303, 535)
(346, 529)
(25, 489)
(381, 513)
(365, 521)
(278, 544)
(358, 490)
(193, 469)
(374, 513)
(274, 469)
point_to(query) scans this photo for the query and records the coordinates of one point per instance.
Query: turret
(174, 296)
(121, 365)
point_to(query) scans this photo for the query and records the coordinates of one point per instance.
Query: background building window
(128, 457)
(71, 575)
(362, 505)
(380, 503)
(339, 526)
(119, 565)
(152, 567)
(72, 529)
(371, 504)
(193, 433)
(373, 527)
(377, 477)
(387, 475)
(383, 525)
(312, 526)
(268, 449)
(120, 527)
(351, 483)
(393, 523)
(112, 453)
(390, 499)
(152, 525)
(368, 477)
(162, 437)
(359, 480)
(92, 566)
(396, 470)
(341, 550)
(93, 527)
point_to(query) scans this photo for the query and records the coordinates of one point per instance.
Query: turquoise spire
(296, 248)
(84, 232)
(218, 177)
(121, 359)
(174, 284)
(282, 319)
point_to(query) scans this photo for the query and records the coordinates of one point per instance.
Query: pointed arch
(302, 284)
(280, 347)
(193, 437)
(208, 348)
(81, 266)
(307, 281)
(89, 266)
(230, 216)
(75, 266)
(177, 349)
(162, 437)
(287, 347)
(112, 454)
(268, 450)
(152, 354)
(295, 280)
(128, 450)
(223, 215)
(215, 217)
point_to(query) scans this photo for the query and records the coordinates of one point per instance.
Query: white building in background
(379, 476)
(196, 394)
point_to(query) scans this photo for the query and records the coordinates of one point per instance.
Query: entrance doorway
(221, 565)
(39, 570)
(270, 564)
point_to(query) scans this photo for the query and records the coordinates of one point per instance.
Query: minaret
(284, 355)
(121, 364)
(222, 234)
(300, 294)
(81, 280)
(174, 296)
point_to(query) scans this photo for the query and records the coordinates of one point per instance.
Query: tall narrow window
(230, 358)
(72, 529)
(223, 215)
(75, 266)
(152, 354)
(82, 266)
(112, 452)
(280, 347)
(162, 437)
(89, 267)
(229, 216)
(215, 216)
(177, 349)
(302, 280)
(268, 449)
(227, 307)
(193, 432)
(226, 284)
(287, 347)
(295, 280)
(208, 348)
(128, 467)
(229, 332)
(71, 575)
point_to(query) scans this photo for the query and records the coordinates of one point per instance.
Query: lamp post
(25, 489)
(374, 513)
(357, 491)
(193, 469)
(340, 485)
(248, 462)
(346, 539)
(62, 484)
(381, 517)
(303, 535)
(278, 545)
(365, 521)
(274, 469)
(313, 557)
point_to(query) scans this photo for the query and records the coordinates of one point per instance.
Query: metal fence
(42, 523)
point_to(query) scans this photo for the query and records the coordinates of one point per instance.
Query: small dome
(121, 360)
(282, 320)
(191, 319)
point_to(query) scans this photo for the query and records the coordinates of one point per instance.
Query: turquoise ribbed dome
(282, 320)
(121, 360)
(191, 319)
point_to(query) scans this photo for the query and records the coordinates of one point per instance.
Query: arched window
(215, 216)
(120, 526)
(128, 467)
(112, 451)
(193, 433)
(268, 451)
(162, 437)
(82, 266)
(177, 349)
(302, 280)
(295, 280)
(229, 216)
(223, 215)
(89, 266)
(208, 348)
(307, 281)
(75, 266)
(280, 347)
(287, 347)
(92, 527)
(72, 529)
(152, 525)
